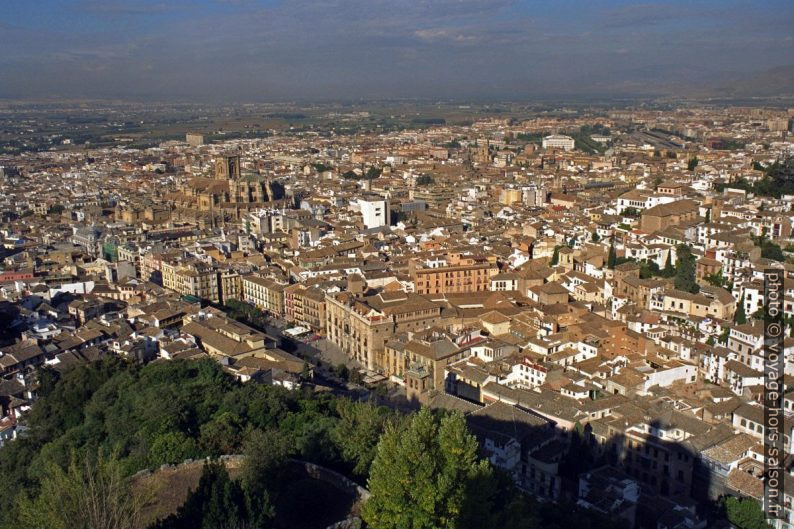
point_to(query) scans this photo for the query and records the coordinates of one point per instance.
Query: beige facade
(265, 294)
(191, 279)
(360, 325)
(462, 274)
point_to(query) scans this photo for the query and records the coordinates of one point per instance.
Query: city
(394, 313)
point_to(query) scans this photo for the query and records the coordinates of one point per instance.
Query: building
(265, 294)
(194, 139)
(664, 215)
(191, 278)
(305, 306)
(374, 211)
(559, 141)
(361, 324)
(452, 274)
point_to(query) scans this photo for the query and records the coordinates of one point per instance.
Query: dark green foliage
(717, 279)
(685, 270)
(246, 313)
(778, 180)
(161, 413)
(555, 257)
(596, 237)
(357, 432)
(220, 502)
(649, 269)
(630, 212)
(88, 494)
(726, 331)
(740, 316)
(770, 250)
(612, 257)
(424, 180)
(692, 163)
(744, 513)
(428, 475)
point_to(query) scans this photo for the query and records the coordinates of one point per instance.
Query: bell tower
(227, 167)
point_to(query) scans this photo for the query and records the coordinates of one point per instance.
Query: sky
(277, 50)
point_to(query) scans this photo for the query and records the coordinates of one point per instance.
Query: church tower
(227, 168)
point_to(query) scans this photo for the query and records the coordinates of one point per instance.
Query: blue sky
(252, 50)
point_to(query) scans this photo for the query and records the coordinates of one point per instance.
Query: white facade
(558, 141)
(374, 212)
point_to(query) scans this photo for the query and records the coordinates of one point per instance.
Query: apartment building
(265, 294)
(191, 278)
(305, 306)
(452, 274)
(361, 324)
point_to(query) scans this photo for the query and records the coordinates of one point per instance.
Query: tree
(708, 216)
(685, 270)
(90, 493)
(613, 256)
(740, 317)
(358, 430)
(424, 180)
(716, 279)
(596, 236)
(669, 269)
(428, 475)
(218, 501)
(770, 250)
(555, 257)
(744, 513)
(692, 163)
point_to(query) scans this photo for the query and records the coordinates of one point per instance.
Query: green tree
(669, 269)
(716, 279)
(744, 513)
(613, 256)
(357, 432)
(596, 236)
(90, 493)
(424, 180)
(427, 475)
(685, 270)
(708, 215)
(555, 257)
(217, 502)
(740, 316)
(692, 163)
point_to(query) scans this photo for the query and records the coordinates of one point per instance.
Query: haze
(250, 50)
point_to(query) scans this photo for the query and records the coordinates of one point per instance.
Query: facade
(455, 274)
(375, 212)
(265, 294)
(559, 141)
(191, 278)
(360, 325)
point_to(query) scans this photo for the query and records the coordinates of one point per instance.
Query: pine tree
(741, 316)
(669, 269)
(555, 258)
(613, 256)
(428, 475)
(685, 270)
(708, 216)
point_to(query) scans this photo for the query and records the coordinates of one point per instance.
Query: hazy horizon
(250, 50)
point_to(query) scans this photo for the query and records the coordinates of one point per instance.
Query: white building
(375, 212)
(558, 141)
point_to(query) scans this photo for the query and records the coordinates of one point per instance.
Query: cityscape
(448, 306)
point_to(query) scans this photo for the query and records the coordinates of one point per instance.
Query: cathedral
(229, 192)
